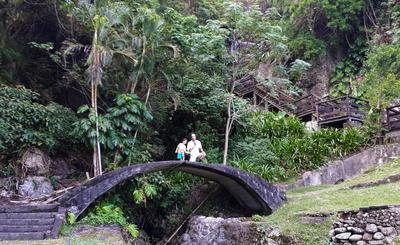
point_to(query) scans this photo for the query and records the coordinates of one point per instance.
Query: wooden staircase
(31, 222)
(275, 97)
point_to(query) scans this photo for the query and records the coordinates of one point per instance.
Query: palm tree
(154, 52)
(111, 23)
(153, 49)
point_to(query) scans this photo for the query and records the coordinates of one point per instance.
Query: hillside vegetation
(98, 85)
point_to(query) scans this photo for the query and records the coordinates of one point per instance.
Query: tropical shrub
(382, 77)
(110, 213)
(279, 146)
(117, 128)
(344, 77)
(25, 122)
(305, 45)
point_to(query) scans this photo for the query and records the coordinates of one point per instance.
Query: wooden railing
(393, 117)
(345, 106)
(331, 110)
(244, 85)
(277, 98)
(306, 105)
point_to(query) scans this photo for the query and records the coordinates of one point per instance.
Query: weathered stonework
(374, 225)
(354, 165)
(250, 191)
(231, 231)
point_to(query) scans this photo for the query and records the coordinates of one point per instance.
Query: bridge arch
(251, 192)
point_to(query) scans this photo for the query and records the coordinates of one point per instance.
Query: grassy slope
(332, 198)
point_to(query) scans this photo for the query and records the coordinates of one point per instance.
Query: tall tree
(111, 24)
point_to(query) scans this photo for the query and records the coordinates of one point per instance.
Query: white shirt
(181, 148)
(194, 147)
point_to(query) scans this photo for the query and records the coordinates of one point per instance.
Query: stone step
(27, 221)
(25, 228)
(29, 208)
(22, 235)
(41, 215)
(31, 222)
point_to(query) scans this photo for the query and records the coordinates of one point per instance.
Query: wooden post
(348, 106)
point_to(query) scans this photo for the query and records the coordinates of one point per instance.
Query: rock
(343, 236)
(340, 230)
(34, 187)
(350, 222)
(389, 240)
(185, 237)
(105, 234)
(210, 230)
(378, 236)
(387, 231)
(35, 162)
(380, 242)
(357, 230)
(355, 238)
(371, 228)
(361, 243)
(367, 237)
(142, 239)
(331, 233)
(6, 194)
(339, 224)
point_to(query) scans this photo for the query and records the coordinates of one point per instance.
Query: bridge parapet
(252, 192)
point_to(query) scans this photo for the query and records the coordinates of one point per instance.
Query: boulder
(367, 237)
(378, 242)
(340, 230)
(210, 230)
(371, 228)
(378, 236)
(357, 230)
(343, 236)
(355, 238)
(103, 234)
(35, 162)
(387, 231)
(35, 187)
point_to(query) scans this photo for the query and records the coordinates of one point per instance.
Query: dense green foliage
(26, 122)
(108, 213)
(383, 65)
(279, 147)
(161, 69)
(117, 128)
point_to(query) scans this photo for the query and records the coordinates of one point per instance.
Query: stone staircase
(30, 222)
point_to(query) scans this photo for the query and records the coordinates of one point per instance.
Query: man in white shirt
(194, 148)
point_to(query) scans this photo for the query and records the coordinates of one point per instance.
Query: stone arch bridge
(251, 192)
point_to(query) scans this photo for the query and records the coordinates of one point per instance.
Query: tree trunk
(226, 143)
(96, 148)
(228, 127)
(147, 95)
(145, 103)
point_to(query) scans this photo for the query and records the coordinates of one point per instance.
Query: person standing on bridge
(181, 150)
(195, 149)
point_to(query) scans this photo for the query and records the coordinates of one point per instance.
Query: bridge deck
(250, 191)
